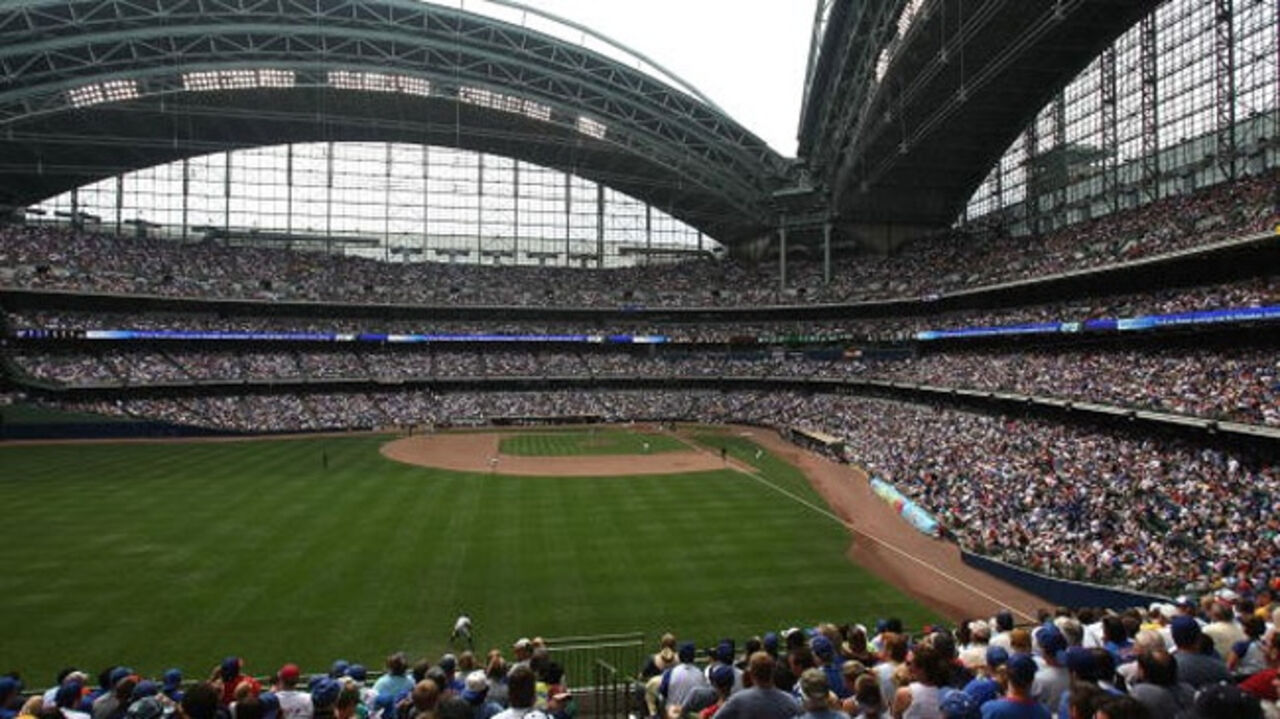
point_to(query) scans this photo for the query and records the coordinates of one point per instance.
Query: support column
(1225, 86)
(75, 208)
(426, 197)
(515, 195)
(826, 252)
(782, 253)
(186, 198)
(1059, 168)
(328, 199)
(1031, 198)
(479, 208)
(119, 204)
(568, 195)
(1147, 52)
(226, 196)
(386, 204)
(288, 192)
(1110, 131)
(600, 226)
(648, 233)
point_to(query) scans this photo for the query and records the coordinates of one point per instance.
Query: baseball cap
(289, 673)
(230, 667)
(476, 687)
(325, 692)
(983, 690)
(144, 688)
(1022, 669)
(448, 662)
(687, 651)
(522, 643)
(358, 672)
(1052, 642)
(722, 676)
(339, 668)
(270, 705)
(172, 679)
(959, 705)
(1080, 662)
(68, 695)
(1186, 630)
(771, 642)
(8, 685)
(724, 651)
(822, 647)
(997, 656)
(813, 683)
(119, 673)
(1185, 601)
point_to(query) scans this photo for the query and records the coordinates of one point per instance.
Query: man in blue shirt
(1018, 703)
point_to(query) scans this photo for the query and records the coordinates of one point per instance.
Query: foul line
(755, 474)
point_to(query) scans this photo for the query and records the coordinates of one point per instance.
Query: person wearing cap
(227, 676)
(10, 699)
(294, 704)
(1004, 625)
(461, 633)
(67, 698)
(1194, 666)
(172, 688)
(762, 700)
(722, 655)
(523, 650)
(679, 681)
(990, 683)
(1018, 702)
(829, 662)
(452, 682)
(816, 693)
(113, 699)
(476, 692)
(722, 683)
(1052, 679)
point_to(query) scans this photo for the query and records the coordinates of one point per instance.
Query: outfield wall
(1061, 592)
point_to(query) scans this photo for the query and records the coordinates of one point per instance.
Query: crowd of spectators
(1239, 384)
(1215, 658)
(55, 258)
(1255, 292)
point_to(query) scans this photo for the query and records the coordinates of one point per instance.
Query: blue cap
(339, 668)
(144, 688)
(358, 672)
(771, 642)
(1186, 630)
(1080, 662)
(172, 679)
(722, 676)
(1022, 669)
(325, 692)
(8, 685)
(822, 647)
(119, 673)
(1052, 642)
(68, 695)
(270, 705)
(997, 656)
(959, 705)
(724, 651)
(448, 663)
(687, 651)
(983, 690)
(230, 668)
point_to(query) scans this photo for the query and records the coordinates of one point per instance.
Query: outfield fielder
(462, 632)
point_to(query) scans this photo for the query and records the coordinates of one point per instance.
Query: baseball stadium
(404, 359)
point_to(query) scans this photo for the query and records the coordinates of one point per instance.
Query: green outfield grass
(180, 554)
(588, 442)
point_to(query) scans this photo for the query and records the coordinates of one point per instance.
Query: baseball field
(309, 550)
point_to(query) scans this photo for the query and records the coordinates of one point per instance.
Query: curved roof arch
(92, 88)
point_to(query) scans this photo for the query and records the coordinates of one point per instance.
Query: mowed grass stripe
(158, 555)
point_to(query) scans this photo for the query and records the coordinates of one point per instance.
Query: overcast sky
(748, 56)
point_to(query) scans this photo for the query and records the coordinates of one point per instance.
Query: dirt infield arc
(472, 453)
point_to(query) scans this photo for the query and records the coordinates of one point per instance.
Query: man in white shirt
(294, 704)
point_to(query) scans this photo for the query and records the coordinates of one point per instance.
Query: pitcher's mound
(474, 452)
